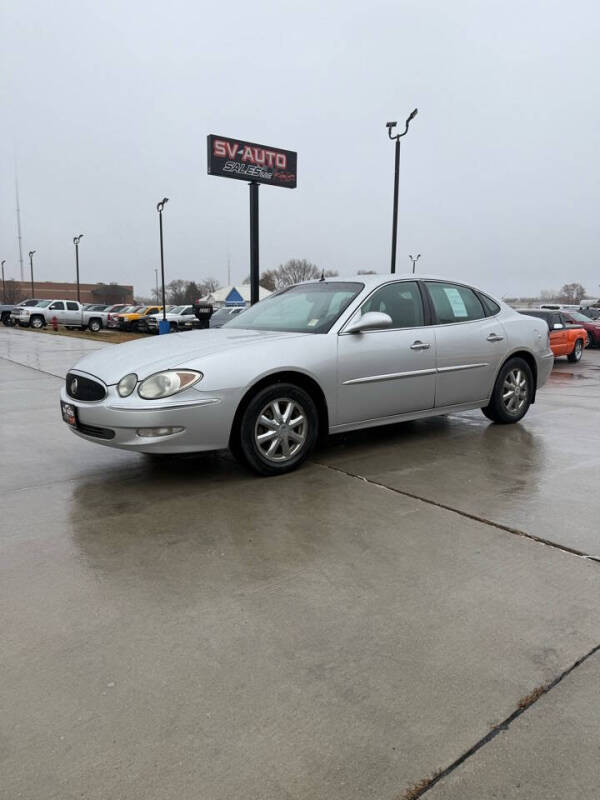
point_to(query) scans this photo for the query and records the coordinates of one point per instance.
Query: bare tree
(295, 271)
(193, 292)
(268, 280)
(209, 285)
(366, 272)
(572, 293)
(175, 291)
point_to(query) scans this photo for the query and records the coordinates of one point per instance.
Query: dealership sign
(247, 161)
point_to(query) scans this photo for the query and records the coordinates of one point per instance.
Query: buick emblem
(74, 385)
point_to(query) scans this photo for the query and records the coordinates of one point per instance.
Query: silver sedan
(316, 358)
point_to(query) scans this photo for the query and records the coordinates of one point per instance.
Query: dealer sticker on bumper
(69, 413)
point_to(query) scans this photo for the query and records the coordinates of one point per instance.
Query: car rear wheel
(278, 429)
(575, 356)
(94, 325)
(512, 393)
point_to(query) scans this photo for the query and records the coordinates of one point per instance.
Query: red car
(592, 326)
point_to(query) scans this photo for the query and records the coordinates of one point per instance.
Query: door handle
(419, 345)
(493, 337)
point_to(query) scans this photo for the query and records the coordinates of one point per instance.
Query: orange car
(565, 339)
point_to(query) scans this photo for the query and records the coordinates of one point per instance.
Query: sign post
(256, 163)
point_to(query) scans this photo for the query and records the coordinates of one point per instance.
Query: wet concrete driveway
(181, 629)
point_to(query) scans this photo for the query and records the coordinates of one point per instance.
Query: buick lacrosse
(315, 358)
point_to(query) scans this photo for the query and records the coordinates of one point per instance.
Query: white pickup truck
(69, 313)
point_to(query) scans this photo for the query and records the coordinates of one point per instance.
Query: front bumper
(206, 420)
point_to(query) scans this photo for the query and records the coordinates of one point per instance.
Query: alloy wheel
(280, 430)
(515, 390)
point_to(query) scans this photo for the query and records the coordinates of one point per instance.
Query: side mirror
(369, 321)
(558, 326)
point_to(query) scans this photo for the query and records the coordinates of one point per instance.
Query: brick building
(89, 292)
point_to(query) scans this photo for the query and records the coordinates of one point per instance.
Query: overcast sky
(107, 106)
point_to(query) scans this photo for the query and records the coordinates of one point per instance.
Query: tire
(512, 393)
(273, 404)
(6, 318)
(173, 327)
(575, 356)
(37, 322)
(95, 325)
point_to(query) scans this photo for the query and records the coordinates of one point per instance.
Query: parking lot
(179, 628)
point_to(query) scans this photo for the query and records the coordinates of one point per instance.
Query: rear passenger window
(454, 303)
(72, 306)
(491, 307)
(401, 300)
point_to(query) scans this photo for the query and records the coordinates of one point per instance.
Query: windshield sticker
(458, 307)
(313, 322)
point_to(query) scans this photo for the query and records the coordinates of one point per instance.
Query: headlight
(164, 384)
(127, 384)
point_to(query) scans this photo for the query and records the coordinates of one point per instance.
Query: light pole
(76, 240)
(3, 283)
(414, 260)
(396, 138)
(156, 275)
(31, 254)
(159, 208)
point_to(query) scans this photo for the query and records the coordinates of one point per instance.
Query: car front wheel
(278, 429)
(512, 393)
(37, 322)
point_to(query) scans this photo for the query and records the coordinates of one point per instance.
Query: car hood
(171, 350)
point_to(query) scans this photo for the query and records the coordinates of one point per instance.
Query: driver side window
(401, 301)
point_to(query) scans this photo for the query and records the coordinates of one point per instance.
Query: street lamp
(414, 260)
(76, 240)
(3, 284)
(390, 126)
(156, 275)
(31, 254)
(159, 208)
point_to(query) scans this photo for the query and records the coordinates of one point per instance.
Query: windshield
(44, 303)
(306, 308)
(175, 309)
(222, 313)
(578, 316)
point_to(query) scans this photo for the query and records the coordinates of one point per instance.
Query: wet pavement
(181, 629)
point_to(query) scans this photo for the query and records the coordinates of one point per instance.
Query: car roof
(371, 281)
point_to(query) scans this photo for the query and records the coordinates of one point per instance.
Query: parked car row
(94, 316)
(68, 313)
(570, 331)
(71, 314)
